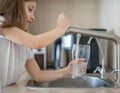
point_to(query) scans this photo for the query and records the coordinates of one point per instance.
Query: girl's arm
(36, 41)
(48, 75)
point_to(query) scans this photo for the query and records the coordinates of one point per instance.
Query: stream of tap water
(75, 70)
(77, 46)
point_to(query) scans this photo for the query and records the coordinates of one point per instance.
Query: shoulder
(8, 31)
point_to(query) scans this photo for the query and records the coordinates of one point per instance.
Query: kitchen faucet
(103, 35)
(101, 69)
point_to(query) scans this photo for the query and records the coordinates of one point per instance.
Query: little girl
(16, 42)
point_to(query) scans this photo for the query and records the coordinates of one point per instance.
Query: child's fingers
(80, 61)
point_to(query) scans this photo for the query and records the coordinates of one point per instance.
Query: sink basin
(68, 82)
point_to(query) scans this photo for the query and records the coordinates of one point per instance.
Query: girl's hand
(69, 68)
(62, 22)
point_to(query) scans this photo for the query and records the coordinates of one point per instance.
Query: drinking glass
(80, 51)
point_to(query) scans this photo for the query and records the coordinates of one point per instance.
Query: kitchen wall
(81, 13)
(110, 19)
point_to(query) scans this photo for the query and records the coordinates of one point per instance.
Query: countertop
(20, 87)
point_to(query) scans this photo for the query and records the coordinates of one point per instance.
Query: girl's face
(30, 7)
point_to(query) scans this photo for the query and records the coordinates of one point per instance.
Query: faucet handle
(98, 68)
(115, 71)
(117, 80)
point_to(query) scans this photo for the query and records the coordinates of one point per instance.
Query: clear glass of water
(80, 51)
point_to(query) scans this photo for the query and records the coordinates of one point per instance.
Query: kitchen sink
(68, 82)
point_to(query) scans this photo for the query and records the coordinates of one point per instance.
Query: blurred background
(89, 14)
